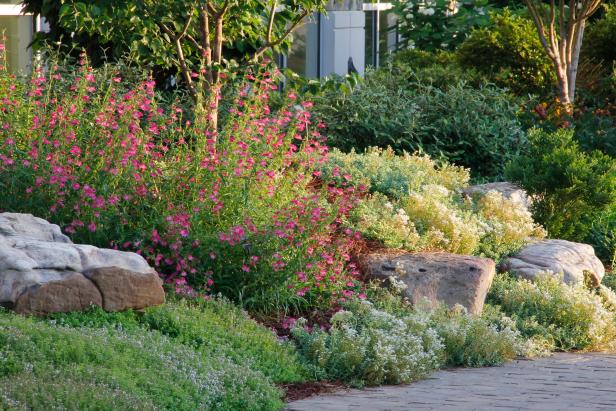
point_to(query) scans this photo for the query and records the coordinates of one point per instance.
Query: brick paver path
(562, 382)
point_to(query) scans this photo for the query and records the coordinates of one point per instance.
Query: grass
(185, 355)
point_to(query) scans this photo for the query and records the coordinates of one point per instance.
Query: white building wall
(342, 37)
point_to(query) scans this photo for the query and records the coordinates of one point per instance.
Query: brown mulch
(299, 391)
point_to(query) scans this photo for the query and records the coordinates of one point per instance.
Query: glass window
(370, 37)
(388, 35)
(303, 57)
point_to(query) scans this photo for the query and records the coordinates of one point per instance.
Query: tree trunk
(575, 60)
(563, 84)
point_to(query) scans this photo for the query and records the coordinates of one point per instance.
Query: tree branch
(288, 31)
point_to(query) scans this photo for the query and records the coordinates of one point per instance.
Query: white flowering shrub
(416, 205)
(378, 218)
(477, 341)
(444, 223)
(507, 225)
(383, 171)
(369, 346)
(569, 317)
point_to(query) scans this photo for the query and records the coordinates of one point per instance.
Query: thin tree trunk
(575, 59)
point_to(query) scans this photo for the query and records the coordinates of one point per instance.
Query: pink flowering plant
(243, 212)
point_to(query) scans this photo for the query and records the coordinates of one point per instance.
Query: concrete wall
(342, 36)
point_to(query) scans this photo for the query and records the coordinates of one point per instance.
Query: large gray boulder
(42, 271)
(558, 257)
(436, 277)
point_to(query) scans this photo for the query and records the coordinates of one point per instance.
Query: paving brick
(561, 382)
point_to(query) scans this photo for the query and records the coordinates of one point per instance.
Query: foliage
(213, 328)
(511, 54)
(137, 26)
(600, 38)
(610, 281)
(560, 29)
(569, 317)
(475, 128)
(368, 346)
(572, 188)
(383, 171)
(602, 236)
(45, 365)
(105, 161)
(439, 24)
(476, 341)
(416, 205)
(440, 69)
(594, 131)
(387, 341)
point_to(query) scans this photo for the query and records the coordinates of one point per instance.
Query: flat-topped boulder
(436, 277)
(558, 257)
(42, 271)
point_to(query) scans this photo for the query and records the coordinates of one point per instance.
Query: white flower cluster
(372, 345)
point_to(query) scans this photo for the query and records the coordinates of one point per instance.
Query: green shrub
(476, 341)
(610, 281)
(602, 236)
(596, 132)
(572, 188)
(510, 54)
(49, 366)
(476, 128)
(368, 346)
(440, 69)
(379, 111)
(213, 328)
(568, 317)
(600, 38)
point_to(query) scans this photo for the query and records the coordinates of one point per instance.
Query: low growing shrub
(47, 366)
(568, 317)
(368, 346)
(387, 341)
(476, 341)
(212, 328)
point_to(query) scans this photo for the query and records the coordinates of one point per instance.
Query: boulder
(436, 277)
(508, 190)
(559, 257)
(42, 271)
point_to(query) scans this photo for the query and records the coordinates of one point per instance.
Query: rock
(438, 277)
(124, 289)
(558, 257)
(58, 292)
(42, 271)
(507, 190)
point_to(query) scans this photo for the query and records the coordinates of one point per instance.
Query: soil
(299, 391)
